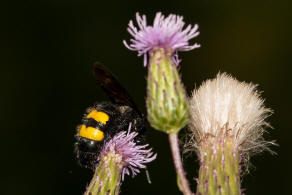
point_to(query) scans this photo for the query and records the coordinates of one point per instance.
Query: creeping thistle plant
(120, 156)
(226, 117)
(227, 123)
(167, 105)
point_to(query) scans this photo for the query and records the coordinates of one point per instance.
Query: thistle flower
(166, 33)
(134, 157)
(227, 122)
(167, 105)
(120, 156)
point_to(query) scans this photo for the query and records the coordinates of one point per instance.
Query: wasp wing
(115, 91)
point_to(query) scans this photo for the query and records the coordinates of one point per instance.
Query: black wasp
(104, 119)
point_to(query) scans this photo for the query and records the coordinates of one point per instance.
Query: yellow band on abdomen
(98, 116)
(91, 133)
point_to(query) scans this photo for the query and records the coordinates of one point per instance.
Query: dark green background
(47, 52)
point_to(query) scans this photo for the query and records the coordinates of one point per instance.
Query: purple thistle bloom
(166, 33)
(134, 157)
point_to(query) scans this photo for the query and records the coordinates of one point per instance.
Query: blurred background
(47, 52)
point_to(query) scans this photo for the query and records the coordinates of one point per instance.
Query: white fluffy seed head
(225, 106)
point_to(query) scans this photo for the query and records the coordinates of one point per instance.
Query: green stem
(107, 176)
(219, 173)
(182, 181)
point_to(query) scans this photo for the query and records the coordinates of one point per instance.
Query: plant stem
(183, 183)
(219, 172)
(107, 176)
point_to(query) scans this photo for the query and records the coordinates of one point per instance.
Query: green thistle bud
(167, 105)
(107, 176)
(220, 169)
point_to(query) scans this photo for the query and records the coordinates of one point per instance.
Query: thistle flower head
(166, 32)
(118, 157)
(131, 155)
(224, 107)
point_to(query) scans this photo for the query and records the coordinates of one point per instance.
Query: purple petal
(166, 32)
(134, 156)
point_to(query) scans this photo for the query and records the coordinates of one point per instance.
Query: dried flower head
(226, 107)
(166, 33)
(132, 156)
